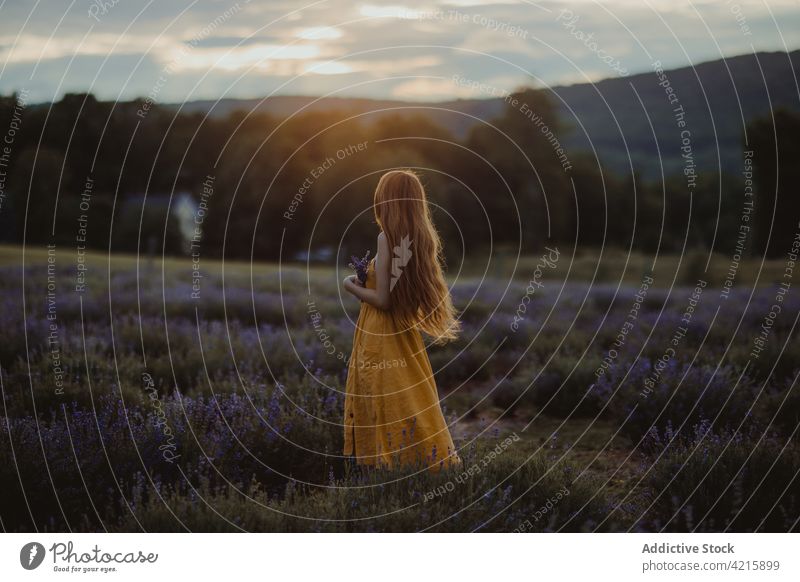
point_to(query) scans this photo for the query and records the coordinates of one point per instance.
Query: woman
(391, 413)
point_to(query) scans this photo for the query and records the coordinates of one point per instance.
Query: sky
(182, 50)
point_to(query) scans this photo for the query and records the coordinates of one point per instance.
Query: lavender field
(156, 400)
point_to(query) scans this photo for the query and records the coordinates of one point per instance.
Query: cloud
(241, 48)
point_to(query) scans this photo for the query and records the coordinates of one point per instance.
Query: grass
(254, 399)
(610, 265)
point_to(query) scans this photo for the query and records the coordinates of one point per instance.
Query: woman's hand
(350, 282)
(376, 297)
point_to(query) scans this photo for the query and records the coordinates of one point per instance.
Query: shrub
(782, 409)
(681, 394)
(509, 393)
(271, 434)
(506, 494)
(723, 480)
(566, 387)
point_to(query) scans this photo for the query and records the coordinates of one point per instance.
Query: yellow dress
(391, 410)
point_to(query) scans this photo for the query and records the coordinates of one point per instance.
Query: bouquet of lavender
(360, 267)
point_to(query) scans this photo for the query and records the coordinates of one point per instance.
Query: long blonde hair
(420, 296)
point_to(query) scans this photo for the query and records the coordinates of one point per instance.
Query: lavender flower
(360, 266)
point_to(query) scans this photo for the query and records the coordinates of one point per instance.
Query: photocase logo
(31, 555)
(402, 254)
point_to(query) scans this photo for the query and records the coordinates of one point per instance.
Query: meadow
(595, 394)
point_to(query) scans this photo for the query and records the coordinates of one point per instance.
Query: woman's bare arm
(378, 297)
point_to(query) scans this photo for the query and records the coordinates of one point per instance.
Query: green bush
(507, 493)
(715, 481)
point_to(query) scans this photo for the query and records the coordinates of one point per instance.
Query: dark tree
(775, 142)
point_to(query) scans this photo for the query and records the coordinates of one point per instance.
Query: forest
(120, 174)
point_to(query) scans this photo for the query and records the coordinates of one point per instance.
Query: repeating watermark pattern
(46, 326)
(760, 341)
(545, 509)
(170, 447)
(474, 469)
(452, 15)
(748, 206)
(381, 364)
(53, 332)
(741, 20)
(197, 235)
(329, 347)
(627, 326)
(316, 173)
(514, 101)
(549, 260)
(322, 334)
(679, 116)
(169, 69)
(99, 8)
(402, 255)
(548, 133)
(670, 352)
(81, 237)
(481, 87)
(569, 21)
(14, 126)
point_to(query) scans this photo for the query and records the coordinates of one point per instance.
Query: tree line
(275, 187)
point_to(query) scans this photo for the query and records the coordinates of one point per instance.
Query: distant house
(156, 212)
(319, 255)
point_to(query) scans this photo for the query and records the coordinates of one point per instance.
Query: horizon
(477, 97)
(410, 51)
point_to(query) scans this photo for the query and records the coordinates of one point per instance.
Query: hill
(613, 116)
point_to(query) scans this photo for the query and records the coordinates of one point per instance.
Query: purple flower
(360, 266)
